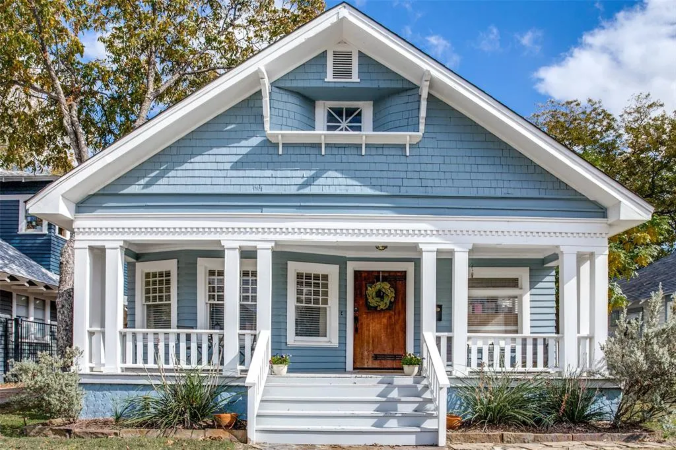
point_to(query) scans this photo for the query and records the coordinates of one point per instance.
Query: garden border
(500, 437)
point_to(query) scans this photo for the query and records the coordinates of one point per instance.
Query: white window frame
(355, 64)
(522, 292)
(155, 266)
(333, 271)
(21, 227)
(203, 267)
(321, 107)
(56, 232)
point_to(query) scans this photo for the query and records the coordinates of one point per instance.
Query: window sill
(340, 80)
(340, 137)
(311, 344)
(33, 232)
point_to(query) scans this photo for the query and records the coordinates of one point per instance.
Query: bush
(641, 357)
(501, 398)
(283, 360)
(51, 385)
(188, 401)
(569, 400)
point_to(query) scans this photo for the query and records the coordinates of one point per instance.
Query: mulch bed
(595, 427)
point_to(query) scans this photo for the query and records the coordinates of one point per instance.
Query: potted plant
(411, 363)
(280, 364)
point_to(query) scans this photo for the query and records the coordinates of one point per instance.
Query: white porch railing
(255, 380)
(95, 360)
(534, 352)
(435, 371)
(146, 348)
(586, 351)
(445, 346)
(247, 343)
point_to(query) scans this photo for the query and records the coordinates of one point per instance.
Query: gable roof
(20, 175)
(56, 203)
(648, 279)
(15, 263)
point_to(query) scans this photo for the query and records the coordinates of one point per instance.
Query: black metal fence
(23, 340)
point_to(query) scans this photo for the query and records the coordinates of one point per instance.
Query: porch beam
(599, 307)
(459, 309)
(114, 305)
(231, 308)
(568, 306)
(264, 286)
(81, 294)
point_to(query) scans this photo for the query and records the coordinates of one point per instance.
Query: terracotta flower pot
(279, 369)
(453, 422)
(411, 371)
(226, 420)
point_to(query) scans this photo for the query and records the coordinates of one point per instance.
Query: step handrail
(435, 373)
(255, 380)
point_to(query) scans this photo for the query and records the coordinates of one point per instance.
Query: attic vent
(342, 64)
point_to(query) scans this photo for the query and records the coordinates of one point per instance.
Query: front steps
(347, 409)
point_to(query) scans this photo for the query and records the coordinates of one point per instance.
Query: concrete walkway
(542, 446)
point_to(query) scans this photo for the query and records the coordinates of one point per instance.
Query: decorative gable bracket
(362, 138)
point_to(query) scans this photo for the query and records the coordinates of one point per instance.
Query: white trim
(409, 268)
(321, 107)
(523, 292)
(203, 265)
(22, 220)
(333, 271)
(155, 266)
(355, 64)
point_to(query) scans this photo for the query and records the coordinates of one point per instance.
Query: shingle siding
(291, 111)
(397, 112)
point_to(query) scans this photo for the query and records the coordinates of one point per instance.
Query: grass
(12, 420)
(110, 444)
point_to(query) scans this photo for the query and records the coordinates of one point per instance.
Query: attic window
(342, 64)
(347, 117)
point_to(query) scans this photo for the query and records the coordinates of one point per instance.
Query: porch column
(264, 286)
(428, 289)
(231, 320)
(81, 292)
(459, 309)
(114, 304)
(599, 307)
(568, 311)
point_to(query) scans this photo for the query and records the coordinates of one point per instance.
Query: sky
(525, 52)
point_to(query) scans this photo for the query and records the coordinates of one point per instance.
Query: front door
(379, 319)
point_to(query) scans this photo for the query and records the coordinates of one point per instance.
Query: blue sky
(524, 52)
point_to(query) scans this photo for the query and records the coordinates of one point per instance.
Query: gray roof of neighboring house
(648, 279)
(20, 175)
(13, 262)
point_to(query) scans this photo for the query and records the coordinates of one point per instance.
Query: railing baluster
(508, 353)
(215, 350)
(172, 348)
(518, 353)
(205, 350)
(160, 350)
(151, 349)
(473, 354)
(138, 343)
(193, 349)
(541, 352)
(182, 348)
(551, 348)
(529, 353)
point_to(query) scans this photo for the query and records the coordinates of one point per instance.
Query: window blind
(494, 283)
(498, 315)
(312, 305)
(157, 299)
(247, 299)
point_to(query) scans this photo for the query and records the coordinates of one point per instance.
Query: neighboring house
(262, 214)
(648, 280)
(30, 251)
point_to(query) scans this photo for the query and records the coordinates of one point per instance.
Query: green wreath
(382, 301)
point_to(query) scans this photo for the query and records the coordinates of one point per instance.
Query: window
(498, 300)
(62, 232)
(39, 310)
(21, 308)
(156, 294)
(29, 223)
(342, 64)
(344, 117)
(312, 304)
(211, 291)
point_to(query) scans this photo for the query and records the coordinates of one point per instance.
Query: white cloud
(632, 53)
(407, 32)
(531, 40)
(442, 50)
(93, 48)
(489, 40)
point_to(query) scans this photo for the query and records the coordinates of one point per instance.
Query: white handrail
(255, 380)
(435, 372)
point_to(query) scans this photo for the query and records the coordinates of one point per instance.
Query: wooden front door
(379, 334)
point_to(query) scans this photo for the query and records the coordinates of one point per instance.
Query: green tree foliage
(638, 149)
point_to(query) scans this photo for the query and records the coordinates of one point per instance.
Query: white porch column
(459, 309)
(599, 308)
(584, 292)
(428, 289)
(81, 292)
(264, 289)
(231, 320)
(568, 349)
(114, 303)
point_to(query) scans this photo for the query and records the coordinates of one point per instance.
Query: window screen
(493, 315)
(312, 304)
(157, 299)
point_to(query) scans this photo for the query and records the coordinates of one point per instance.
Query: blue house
(344, 198)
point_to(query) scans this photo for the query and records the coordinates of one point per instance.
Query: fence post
(17, 339)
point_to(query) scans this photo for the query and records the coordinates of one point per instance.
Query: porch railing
(534, 352)
(434, 371)
(247, 344)
(256, 378)
(445, 346)
(586, 351)
(171, 348)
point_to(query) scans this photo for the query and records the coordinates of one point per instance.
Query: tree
(638, 149)
(58, 107)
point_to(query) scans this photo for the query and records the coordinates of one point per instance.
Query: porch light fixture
(381, 248)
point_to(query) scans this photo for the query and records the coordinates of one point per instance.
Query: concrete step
(349, 379)
(382, 404)
(346, 419)
(347, 435)
(342, 390)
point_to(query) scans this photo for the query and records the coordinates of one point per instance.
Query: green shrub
(284, 360)
(51, 385)
(641, 357)
(411, 359)
(187, 401)
(501, 398)
(569, 400)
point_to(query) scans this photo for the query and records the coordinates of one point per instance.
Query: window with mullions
(344, 118)
(157, 299)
